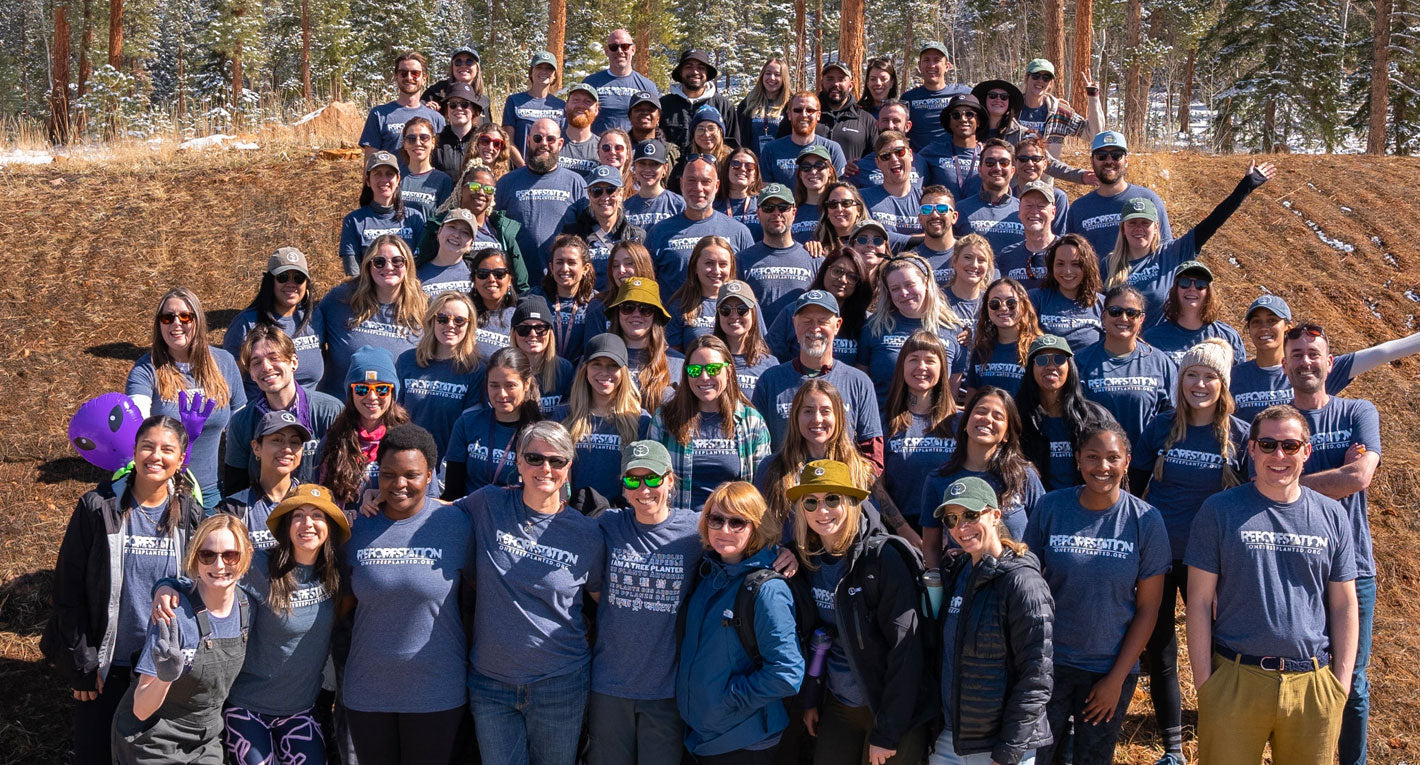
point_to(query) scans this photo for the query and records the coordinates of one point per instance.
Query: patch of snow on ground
(1389, 258)
(1413, 296)
(1333, 243)
(308, 117)
(1344, 208)
(246, 145)
(25, 157)
(205, 142)
(1234, 261)
(1373, 305)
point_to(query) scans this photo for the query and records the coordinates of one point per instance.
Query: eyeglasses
(775, 209)
(496, 143)
(995, 161)
(1118, 310)
(997, 304)
(540, 138)
(639, 308)
(840, 204)
(290, 276)
(412, 74)
(733, 310)
(1044, 76)
(633, 482)
(899, 152)
(1310, 330)
(610, 147)
(1269, 445)
(1192, 283)
(537, 460)
(229, 557)
(839, 272)
(419, 138)
(742, 164)
(600, 190)
(458, 103)
(380, 389)
(529, 329)
(380, 261)
(997, 95)
(619, 47)
(695, 370)
(183, 317)
(829, 502)
(1116, 155)
(940, 209)
(815, 166)
(482, 188)
(863, 240)
(490, 273)
(1051, 359)
(1030, 157)
(445, 320)
(950, 520)
(717, 522)
(965, 115)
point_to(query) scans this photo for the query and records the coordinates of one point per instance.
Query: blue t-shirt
(384, 126)
(257, 507)
(679, 332)
(614, 97)
(636, 361)
(434, 279)
(1023, 264)
(533, 570)
(598, 459)
(521, 110)
(823, 581)
(1002, 370)
(779, 159)
(1063, 317)
(1096, 217)
(310, 365)
(1015, 514)
(435, 395)
(342, 340)
(671, 241)
(1255, 388)
(743, 210)
(1193, 471)
(897, 214)
(784, 344)
(998, 222)
(1032, 118)
(778, 276)
(954, 167)
(143, 381)
(747, 375)
(323, 411)
(951, 621)
(185, 617)
(647, 212)
(569, 325)
(484, 448)
(148, 555)
(286, 651)
(879, 352)
(1133, 387)
(1175, 341)
(648, 570)
(540, 203)
(362, 226)
(580, 157)
(924, 108)
(407, 646)
(1335, 427)
(1092, 560)
(424, 191)
(495, 332)
(716, 457)
(806, 220)
(1273, 561)
(869, 175)
(912, 455)
(1063, 470)
(774, 396)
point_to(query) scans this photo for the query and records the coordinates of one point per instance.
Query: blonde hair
(739, 498)
(1222, 430)
(409, 301)
(972, 240)
(1117, 268)
(758, 103)
(937, 314)
(783, 470)
(808, 541)
(209, 526)
(204, 370)
(466, 352)
(625, 409)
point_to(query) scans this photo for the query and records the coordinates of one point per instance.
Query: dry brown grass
(100, 243)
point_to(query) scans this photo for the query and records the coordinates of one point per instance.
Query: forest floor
(1334, 235)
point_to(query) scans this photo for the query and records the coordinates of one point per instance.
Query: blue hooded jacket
(726, 701)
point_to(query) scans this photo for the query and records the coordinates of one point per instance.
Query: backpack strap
(244, 613)
(743, 619)
(696, 574)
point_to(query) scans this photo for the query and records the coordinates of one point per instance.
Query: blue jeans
(1352, 746)
(533, 724)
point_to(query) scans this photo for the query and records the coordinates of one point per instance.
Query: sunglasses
(465, 61)
(1118, 310)
(840, 204)
(863, 240)
(997, 304)
(997, 95)
(816, 166)
(459, 103)
(734, 310)
(537, 460)
(610, 147)
(805, 110)
(640, 308)
(967, 115)
(496, 143)
(829, 502)
(899, 152)
(1192, 283)
(380, 261)
(229, 557)
(994, 162)
(619, 47)
(1051, 359)
(445, 320)
(1310, 330)
(1030, 157)
(482, 188)
(1269, 445)
(600, 190)
(633, 482)
(1115, 155)
(717, 522)
(493, 273)
(540, 138)
(950, 520)
(742, 164)
(940, 209)
(528, 330)
(1045, 76)
(381, 390)
(290, 276)
(419, 138)
(775, 209)
(182, 317)
(412, 74)
(695, 370)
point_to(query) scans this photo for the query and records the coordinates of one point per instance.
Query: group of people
(647, 428)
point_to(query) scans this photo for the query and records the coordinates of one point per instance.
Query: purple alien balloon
(105, 429)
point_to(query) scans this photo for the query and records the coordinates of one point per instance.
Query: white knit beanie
(1214, 353)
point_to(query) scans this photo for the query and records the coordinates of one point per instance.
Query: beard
(815, 346)
(543, 161)
(580, 119)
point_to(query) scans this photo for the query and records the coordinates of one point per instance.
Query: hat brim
(940, 510)
(795, 493)
(620, 360)
(748, 299)
(1050, 349)
(646, 463)
(1016, 97)
(285, 267)
(333, 513)
(301, 429)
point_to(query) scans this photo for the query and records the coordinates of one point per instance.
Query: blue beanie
(371, 364)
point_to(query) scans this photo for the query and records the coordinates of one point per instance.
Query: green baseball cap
(970, 493)
(776, 191)
(543, 57)
(650, 455)
(936, 45)
(1194, 268)
(1139, 207)
(814, 150)
(827, 477)
(1049, 343)
(1040, 65)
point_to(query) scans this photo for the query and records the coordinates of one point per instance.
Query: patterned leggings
(252, 738)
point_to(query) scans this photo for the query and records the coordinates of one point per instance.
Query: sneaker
(1170, 759)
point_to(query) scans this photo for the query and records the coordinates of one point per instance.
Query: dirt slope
(93, 248)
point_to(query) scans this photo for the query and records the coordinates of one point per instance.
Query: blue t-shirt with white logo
(672, 240)
(1061, 471)
(680, 332)
(484, 448)
(951, 619)
(1174, 340)
(879, 351)
(342, 340)
(434, 279)
(1019, 262)
(521, 110)
(424, 191)
(1096, 217)
(774, 396)
(1255, 388)
(310, 364)
(362, 226)
(998, 222)
(897, 214)
(777, 275)
(924, 108)
(1193, 471)
(614, 95)
(910, 456)
(1065, 317)
(540, 203)
(435, 395)
(1002, 370)
(823, 582)
(598, 454)
(953, 166)
(869, 175)
(779, 159)
(287, 650)
(1133, 387)
(148, 555)
(1335, 427)
(644, 212)
(384, 126)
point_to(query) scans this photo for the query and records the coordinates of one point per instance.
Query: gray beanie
(1214, 353)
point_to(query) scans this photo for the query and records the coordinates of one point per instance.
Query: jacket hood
(762, 559)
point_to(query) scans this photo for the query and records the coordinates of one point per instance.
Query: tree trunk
(1185, 99)
(850, 36)
(557, 35)
(644, 29)
(306, 52)
(86, 67)
(1380, 79)
(906, 44)
(1055, 32)
(1135, 103)
(115, 34)
(818, 43)
(1269, 126)
(237, 67)
(801, 43)
(181, 80)
(59, 76)
(1083, 59)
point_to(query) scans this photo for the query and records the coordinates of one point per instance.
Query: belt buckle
(1262, 663)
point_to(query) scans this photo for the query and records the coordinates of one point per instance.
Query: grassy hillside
(94, 247)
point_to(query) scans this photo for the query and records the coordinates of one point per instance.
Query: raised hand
(193, 411)
(1261, 173)
(168, 660)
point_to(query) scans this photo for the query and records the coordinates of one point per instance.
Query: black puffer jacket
(585, 223)
(1003, 657)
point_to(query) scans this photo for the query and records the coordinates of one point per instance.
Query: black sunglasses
(1118, 310)
(1269, 445)
(536, 460)
(717, 522)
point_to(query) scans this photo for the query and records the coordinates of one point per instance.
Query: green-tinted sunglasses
(483, 187)
(694, 370)
(634, 482)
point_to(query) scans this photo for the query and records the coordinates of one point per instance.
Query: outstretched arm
(1255, 177)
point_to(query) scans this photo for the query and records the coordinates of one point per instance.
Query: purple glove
(194, 415)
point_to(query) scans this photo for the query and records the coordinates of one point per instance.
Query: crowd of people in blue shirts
(648, 428)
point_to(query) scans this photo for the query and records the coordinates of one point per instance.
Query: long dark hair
(1008, 463)
(884, 63)
(681, 415)
(182, 482)
(341, 467)
(281, 567)
(514, 359)
(854, 309)
(510, 298)
(264, 304)
(367, 196)
(1076, 410)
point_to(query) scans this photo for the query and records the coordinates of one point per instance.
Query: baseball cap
(1196, 267)
(1040, 65)
(736, 289)
(379, 159)
(1040, 186)
(1138, 207)
(643, 97)
(310, 494)
(825, 477)
(814, 150)
(647, 455)
(935, 45)
(653, 150)
(867, 223)
(1049, 343)
(274, 422)
(839, 65)
(1109, 139)
(531, 308)
(776, 191)
(585, 88)
(605, 174)
(287, 259)
(606, 345)
(466, 92)
(543, 57)
(819, 298)
(466, 48)
(970, 493)
(460, 215)
(1273, 303)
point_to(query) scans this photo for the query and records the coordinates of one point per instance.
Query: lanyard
(564, 332)
(507, 448)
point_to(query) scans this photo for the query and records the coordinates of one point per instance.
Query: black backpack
(805, 611)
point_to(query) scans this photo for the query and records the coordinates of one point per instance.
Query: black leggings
(1161, 661)
(402, 738)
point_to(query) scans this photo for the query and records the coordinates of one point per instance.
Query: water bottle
(818, 647)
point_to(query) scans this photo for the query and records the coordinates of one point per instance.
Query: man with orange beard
(579, 148)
